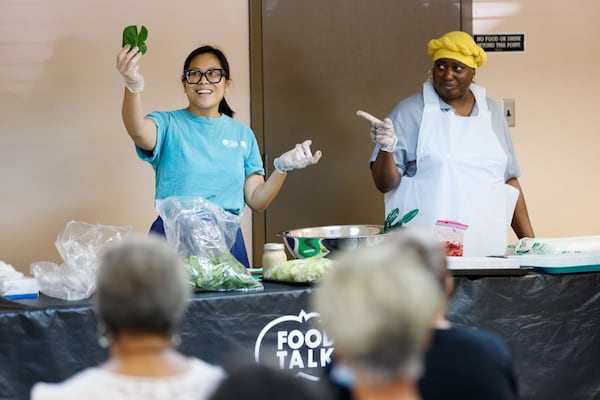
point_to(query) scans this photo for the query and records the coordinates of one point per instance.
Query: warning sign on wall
(501, 41)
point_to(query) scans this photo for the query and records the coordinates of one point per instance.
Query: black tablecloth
(49, 340)
(551, 324)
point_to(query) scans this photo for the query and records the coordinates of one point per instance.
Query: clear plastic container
(451, 233)
(273, 254)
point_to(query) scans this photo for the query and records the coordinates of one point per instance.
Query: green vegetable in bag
(305, 270)
(135, 39)
(220, 273)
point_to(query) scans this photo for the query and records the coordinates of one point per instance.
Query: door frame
(259, 220)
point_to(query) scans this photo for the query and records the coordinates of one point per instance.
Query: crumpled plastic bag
(79, 245)
(559, 245)
(203, 234)
(8, 272)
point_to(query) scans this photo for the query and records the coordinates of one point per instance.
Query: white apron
(460, 176)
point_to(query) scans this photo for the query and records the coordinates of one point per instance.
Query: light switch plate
(508, 108)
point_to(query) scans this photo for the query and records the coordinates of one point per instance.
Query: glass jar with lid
(273, 254)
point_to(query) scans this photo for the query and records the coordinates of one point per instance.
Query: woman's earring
(103, 338)
(104, 342)
(175, 339)
(429, 75)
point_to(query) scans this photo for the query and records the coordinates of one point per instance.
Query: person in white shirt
(142, 292)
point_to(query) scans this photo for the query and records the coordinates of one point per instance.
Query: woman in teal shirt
(201, 151)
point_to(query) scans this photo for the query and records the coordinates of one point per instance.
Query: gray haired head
(378, 304)
(142, 287)
(428, 247)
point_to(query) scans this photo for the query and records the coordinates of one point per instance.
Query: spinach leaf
(135, 39)
(142, 36)
(220, 273)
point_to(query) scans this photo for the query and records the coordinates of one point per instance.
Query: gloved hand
(297, 158)
(128, 64)
(382, 132)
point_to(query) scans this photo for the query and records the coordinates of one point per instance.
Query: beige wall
(64, 154)
(555, 87)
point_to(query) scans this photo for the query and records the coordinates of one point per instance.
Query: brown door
(313, 64)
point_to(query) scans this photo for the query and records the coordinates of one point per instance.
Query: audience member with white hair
(461, 362)
(378, 305)
(142, 293)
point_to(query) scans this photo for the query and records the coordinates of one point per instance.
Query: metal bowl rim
(290, 233)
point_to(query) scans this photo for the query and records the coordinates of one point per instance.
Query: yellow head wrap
(458, 46)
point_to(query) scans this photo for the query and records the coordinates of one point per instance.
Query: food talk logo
(294, 344)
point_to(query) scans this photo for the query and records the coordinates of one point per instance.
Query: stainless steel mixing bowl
(326, 240)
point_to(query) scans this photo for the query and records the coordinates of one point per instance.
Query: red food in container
(451, 233)
(453, 248)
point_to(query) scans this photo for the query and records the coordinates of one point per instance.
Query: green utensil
(389, 220)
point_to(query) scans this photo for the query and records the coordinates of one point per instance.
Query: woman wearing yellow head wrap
(447, 151)
(458, 46)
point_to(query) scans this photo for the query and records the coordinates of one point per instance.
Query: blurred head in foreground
(142, 291)
(258, 382)
(142, 287)
(431, 250)
(377, 304)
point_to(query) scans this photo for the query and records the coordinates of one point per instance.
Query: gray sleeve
(503, 133)
(406, 118)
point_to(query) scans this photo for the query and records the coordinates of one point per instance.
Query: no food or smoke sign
(501, 41)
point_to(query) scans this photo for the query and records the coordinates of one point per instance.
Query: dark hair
(256, 382)
(223, 106)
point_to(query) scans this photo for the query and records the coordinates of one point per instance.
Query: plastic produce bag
(305, 270)
(203, 232)
(78, 245)
(8, 272)
(561, 245)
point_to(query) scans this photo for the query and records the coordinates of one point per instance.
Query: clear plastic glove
(382, 132)
(128, 64)
(299, 157)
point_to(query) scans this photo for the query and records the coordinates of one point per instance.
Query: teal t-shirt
(202, 157)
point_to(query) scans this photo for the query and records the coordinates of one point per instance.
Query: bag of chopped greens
(203, 232)
(306, 270)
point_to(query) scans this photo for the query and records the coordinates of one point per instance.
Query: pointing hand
(382, 132)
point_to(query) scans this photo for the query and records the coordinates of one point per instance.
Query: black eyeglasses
(194, 76)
